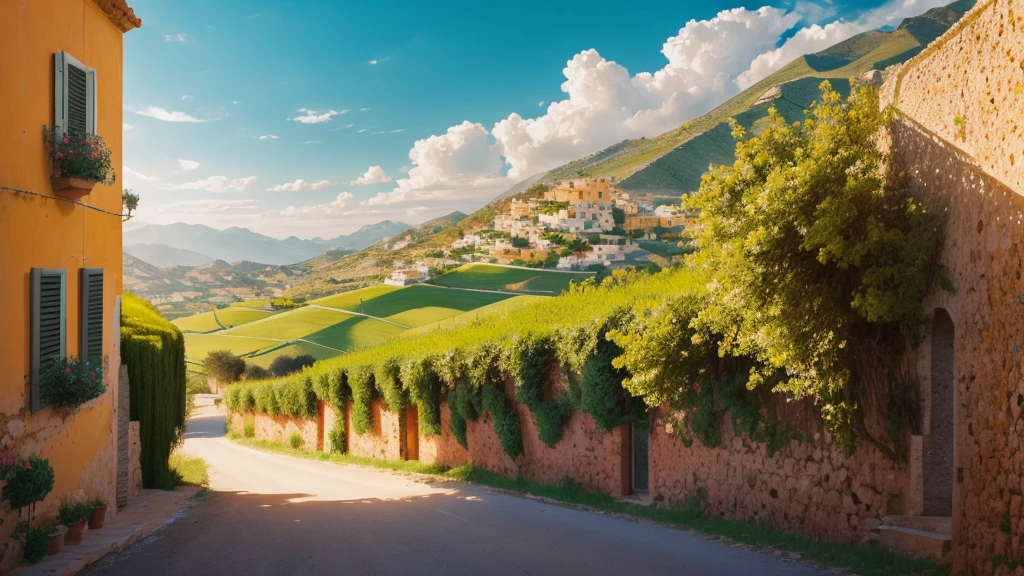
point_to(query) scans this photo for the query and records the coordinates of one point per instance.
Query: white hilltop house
(406, 276)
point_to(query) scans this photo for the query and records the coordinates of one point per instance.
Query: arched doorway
(939, 440)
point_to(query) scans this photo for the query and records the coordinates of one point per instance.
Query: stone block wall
(983, 258)
(134, 461)
(385, 440)
(280, 429)
(444, 448)
(967, 88)
(809, 488)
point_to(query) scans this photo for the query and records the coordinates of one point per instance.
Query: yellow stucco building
(583, 190)
(60, 268)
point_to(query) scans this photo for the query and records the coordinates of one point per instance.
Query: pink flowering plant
(77, 154)
(70, 382)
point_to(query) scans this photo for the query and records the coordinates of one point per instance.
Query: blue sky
(315, 117)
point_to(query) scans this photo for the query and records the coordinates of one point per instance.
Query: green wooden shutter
(90, 342)
(48, 324)
(74, 95)
(78, 100)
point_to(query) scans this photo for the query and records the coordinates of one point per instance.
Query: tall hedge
(153, 349)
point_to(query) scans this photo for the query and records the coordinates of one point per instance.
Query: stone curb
(77, 557)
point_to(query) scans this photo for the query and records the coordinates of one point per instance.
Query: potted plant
(69, 382)
(80, 161)
(98, 516)
(74, 515)
(26, 481)
(57, 538)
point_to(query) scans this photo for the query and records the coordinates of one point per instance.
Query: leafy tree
(551, 261)
(285, 365)
(618, 215)
(224, 366)
(254, 372)
(577, 246)
(520, 243)
(818, 261)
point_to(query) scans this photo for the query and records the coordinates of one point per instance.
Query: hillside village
(582, 224)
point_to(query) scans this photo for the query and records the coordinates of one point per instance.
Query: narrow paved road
(278, 515)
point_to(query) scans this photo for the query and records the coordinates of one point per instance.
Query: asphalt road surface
(279, 515)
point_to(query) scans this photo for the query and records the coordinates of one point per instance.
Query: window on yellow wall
(48, 325)
(74, 95)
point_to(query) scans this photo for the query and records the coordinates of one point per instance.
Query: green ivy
(360, 380)
(463, 404)
(505, 417)
(532, 363)
(601, 393)
(425, 391)
(388, 378)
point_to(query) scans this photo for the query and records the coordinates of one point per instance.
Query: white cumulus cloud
(187, 165)
(218, 184)
(179, 37)
(341, 206)
(131, 176)
(314, 117)
(462, 159)
(126, 127)
(373, 175)
(166, 115)
(265, 137)
(300, 185)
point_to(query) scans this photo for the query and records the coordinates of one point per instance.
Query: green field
(197, 346)
(291, 325)
(355, 332)
(473, 315)
(509, 279)
(297, 349)
(222, 319)
(351, 300)
(336, 324)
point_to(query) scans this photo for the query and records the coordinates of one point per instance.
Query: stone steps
(919, 536)
(938, 524)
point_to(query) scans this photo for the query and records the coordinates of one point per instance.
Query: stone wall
(968, 88)
(134, 461)
(280, 429)
(384, 440)
(444, 448)
(983, 258)
(809, 488)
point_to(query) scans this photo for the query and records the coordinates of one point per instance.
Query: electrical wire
(68, 200)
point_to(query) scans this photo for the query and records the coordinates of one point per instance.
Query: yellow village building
(583, 190)
(60, 267)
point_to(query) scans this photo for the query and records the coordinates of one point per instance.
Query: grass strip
(866, 560)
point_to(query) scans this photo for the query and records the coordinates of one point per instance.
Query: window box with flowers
(80, 161)
(70, 382)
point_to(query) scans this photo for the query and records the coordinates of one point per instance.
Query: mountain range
(181, 244)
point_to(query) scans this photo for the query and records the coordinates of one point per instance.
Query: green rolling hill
(673, 162)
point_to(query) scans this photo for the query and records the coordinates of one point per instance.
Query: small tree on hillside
(254, 372)
(285, 365)
(224, 366)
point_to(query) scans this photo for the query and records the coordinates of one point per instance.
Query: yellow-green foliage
(521, 343)
(153, 349)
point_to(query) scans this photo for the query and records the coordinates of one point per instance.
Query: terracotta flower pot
(98, 517)
(73, 188)
(57, 540)
(74, 535)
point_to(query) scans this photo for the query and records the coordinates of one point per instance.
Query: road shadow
(467, 532)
